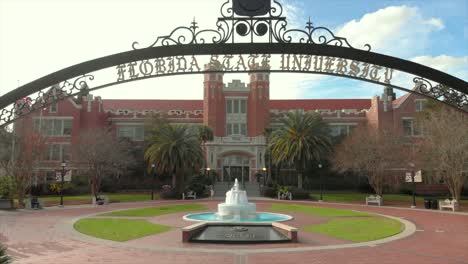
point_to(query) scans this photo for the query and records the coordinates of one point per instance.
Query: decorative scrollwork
(313, 35)
(232, 28)
(442, 93)
(45, 98)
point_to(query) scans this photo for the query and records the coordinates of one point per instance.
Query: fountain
(238, 222)
(237, 208)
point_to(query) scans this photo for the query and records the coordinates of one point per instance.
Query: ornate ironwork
(232, 28)
(448, 95)
(56, 93)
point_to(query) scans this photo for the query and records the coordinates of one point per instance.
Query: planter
(6, 204)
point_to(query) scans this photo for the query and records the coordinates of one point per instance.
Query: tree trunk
(20, 199)
(174, 180)
(299, 180)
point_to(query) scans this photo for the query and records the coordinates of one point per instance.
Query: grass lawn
(159, 210)
(318, 211)
(114, 197)
(361, 197)
(118, 229)
(358, 229)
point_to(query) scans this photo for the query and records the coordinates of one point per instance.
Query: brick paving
(46, 236)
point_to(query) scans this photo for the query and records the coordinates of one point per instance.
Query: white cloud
(436, 22)
(444, 63)
(396, 30)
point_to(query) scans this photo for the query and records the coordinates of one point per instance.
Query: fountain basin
(239, 233)
(258, 217)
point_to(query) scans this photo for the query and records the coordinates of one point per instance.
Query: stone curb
(67, 227)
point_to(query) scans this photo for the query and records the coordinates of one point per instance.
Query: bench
(100, 200)
(451, 204)
(189, 194)
(289, 231)
(374, 199)
(284, 195)
(34, 203)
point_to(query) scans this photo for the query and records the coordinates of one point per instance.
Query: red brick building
(237, 112)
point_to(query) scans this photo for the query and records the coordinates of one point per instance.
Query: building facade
(238, 114)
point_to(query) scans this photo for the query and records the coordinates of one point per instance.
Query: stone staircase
(252, 189)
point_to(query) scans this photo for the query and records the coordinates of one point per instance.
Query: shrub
(404, 189)
(299, 194)
(269, 192)
(365, 188)
(169, 193)
(199, 185)
(4, 258)
(57, 186)
(7, 187)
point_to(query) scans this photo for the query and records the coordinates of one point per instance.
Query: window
(411, 128)
(420, 104)
(53, 108)
(53, 127)
(229, 106)
(243, 106)
(340, 130)
(236, 129)
(57, 152)
(134, 133)
(50, 176)
(236, 106)
(243, 129)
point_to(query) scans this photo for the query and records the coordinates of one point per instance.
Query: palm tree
(4, 258)
(205, 133)
(302, 138)
(175, 148)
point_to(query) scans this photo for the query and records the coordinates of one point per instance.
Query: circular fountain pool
(260, 217)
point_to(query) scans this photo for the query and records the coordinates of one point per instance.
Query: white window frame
(420, 104)
(133, 128)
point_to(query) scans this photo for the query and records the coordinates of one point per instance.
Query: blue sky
(38, 37)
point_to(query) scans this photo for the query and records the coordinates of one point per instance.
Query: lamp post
(64, 164)
(321, 188)
(264, 176)
(207, 171)
(414, 185)
(153, 170)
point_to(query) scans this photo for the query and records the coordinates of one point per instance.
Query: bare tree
(19, 155)
(445, 146)
(372, 153)
(101, 155)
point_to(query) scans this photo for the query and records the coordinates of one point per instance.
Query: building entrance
(233, 172)
(236, 166)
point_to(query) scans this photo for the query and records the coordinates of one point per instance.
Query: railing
(239, 139)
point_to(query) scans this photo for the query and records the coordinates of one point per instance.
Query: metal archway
(235, 34)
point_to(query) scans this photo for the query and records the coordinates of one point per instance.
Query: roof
(311, 104)
(140, 105)
(400, 99)
(166, 105)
